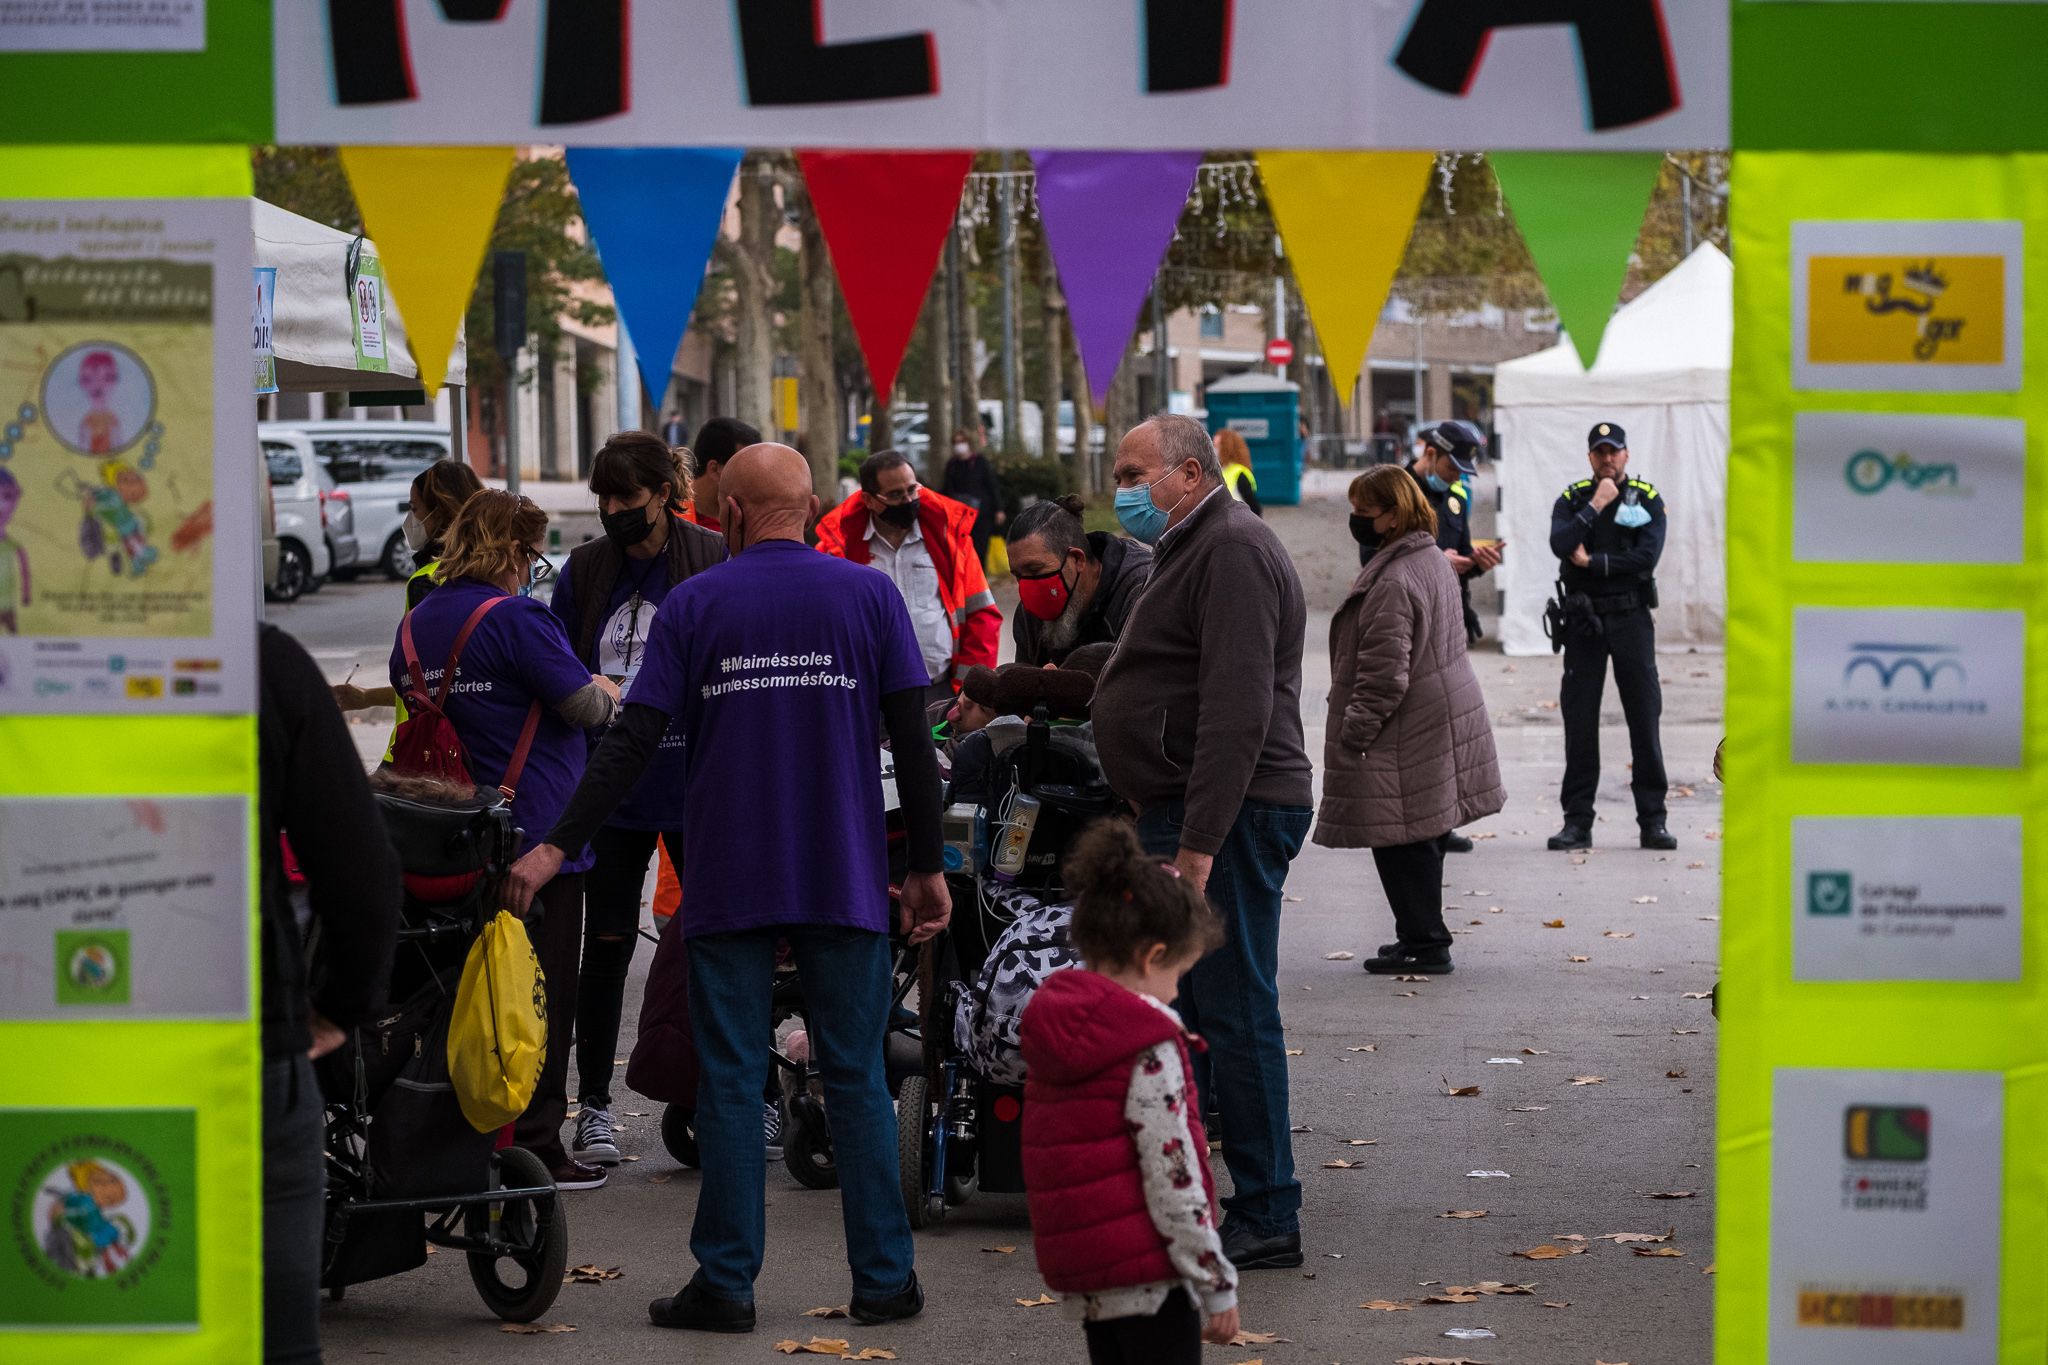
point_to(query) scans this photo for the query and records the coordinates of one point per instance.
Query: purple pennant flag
(1108, 217)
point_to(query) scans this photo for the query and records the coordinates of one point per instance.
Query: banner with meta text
(1884, 1004)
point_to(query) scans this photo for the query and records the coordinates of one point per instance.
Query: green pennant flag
(1580, 213)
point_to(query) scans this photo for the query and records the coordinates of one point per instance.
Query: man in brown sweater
(1198, 722)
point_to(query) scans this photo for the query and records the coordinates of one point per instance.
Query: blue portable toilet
(1267, 412)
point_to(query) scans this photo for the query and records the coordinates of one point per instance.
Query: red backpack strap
(461, 638)
(509, 783)
(414, 672)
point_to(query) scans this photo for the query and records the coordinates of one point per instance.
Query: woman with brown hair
(1409, 751)
(518, 687)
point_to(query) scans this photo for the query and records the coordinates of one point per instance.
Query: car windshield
(285, 465)
(377, 459)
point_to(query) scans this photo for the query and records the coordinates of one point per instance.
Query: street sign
(1279, 351)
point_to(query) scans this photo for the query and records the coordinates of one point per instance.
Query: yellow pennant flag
(430, 211)
(1344, 220)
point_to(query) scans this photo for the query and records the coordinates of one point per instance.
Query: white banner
(1007, 73)
(1885, 685)
(1909, 488)
(1934, 899)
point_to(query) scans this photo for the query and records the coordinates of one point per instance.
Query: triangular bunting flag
(885, 216)
(654, 213)
(1108, 218)
(1580, 213)
(430, 211)
(1344, 220)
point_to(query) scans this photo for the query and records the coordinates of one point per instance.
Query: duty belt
(1613, 604)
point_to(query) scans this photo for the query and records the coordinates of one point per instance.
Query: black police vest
(1607, 537)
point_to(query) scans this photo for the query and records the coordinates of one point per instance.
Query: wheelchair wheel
(913, 1120)
(807, 1144)
(679, 1134)
(521, 1283)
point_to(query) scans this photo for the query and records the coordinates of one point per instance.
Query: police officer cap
(1455, 440)
(1606, 434)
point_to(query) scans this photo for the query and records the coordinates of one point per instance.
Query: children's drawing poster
(128, 477)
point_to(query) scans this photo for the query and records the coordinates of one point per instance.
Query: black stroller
(959, 1131)
(404, 1167)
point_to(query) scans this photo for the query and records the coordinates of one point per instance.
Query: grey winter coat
(1409, 750)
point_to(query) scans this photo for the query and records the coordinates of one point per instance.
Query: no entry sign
(1279, 351)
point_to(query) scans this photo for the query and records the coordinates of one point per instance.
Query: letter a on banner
(1580, 213)
(654, 213)
(1344, 220)
(1108, 218)
(885, 216)
(430, 211)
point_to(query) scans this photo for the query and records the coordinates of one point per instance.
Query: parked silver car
(375, 464)
(314, 519)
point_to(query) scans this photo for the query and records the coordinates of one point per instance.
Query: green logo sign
(1870, 472)
(93, 967)
(1829, 893)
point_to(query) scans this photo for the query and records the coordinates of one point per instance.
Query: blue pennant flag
(654, 213)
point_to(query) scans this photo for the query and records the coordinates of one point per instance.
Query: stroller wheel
(961, 1188)
(913, 1119)
(807, 1144)
(679, 1134)
(519, 1283)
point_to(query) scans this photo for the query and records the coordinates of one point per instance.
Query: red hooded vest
(1081, 1034)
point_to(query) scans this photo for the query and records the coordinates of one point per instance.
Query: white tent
(1662, 375)
(313, 330)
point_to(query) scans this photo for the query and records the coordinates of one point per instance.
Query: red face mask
(1045, 597)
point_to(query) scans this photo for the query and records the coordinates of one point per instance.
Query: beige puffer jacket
(1409, 753)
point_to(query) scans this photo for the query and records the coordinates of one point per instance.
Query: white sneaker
(596, 1137)
(771, 1129)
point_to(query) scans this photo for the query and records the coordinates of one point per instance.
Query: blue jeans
(846, 981)
(1232, 999)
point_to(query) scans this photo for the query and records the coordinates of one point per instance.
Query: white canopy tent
(1662, 375)
(313, 330)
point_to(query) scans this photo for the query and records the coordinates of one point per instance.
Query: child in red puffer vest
(1115, 1160)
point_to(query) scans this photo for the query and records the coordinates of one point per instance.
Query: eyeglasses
(899, 496)
(542, 570)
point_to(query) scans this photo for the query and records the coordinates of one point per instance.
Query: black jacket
(595, 565)
(1623, 558)
(1126, 567)
(972, 480)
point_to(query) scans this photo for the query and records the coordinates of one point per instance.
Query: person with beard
(924, 542)
(1076, 587)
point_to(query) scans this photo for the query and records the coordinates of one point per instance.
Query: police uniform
(1453, 508)
(1612, 623)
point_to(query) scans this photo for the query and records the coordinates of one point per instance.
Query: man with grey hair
(1198, 723)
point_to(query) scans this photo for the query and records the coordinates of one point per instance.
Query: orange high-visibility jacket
(948, 529)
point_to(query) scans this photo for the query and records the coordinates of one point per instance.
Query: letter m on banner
(1624, 50)
(583, 61)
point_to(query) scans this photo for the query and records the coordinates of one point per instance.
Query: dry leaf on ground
(1338, 957)
(1438, 1360)
(1042, 1301)
(1697, 995)
(1451, 1298)
(1496, 909)
(1557, 1303)
(1553, 924)
(1387, 1306)
(1682, 1032)
(1621, 1238)
(1589, 1080)
(1000, 1251)
(1644, 900)
(1369, 1047)
(1566, 1237)
(1578, 958)
(1667, 1194)
(1259, 1339)
(1535, 1052)
(1295, 1051)
(535, 1329)
(1491, 1287)
(659, 1179)
(1404, 995)
(838, 1312)
(1657, 1251)
(1361, 1142)
(1464, 1213)
(1612, 933)
(1548, 1252)
(1529, 1109)
(1411, 978)
(591, 1274)
(1450, 1089)
(1709, 1268)
(1340, 1164)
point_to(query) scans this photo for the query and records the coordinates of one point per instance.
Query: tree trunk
(1052, 317)
(1120, 413)
(938, 421)
(968, 333)
(753, 271)
(818, 392)
(1084, 422)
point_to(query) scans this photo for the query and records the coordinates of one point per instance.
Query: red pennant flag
(885, 216)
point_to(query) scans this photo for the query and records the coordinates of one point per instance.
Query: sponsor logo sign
(1907, 305)
(93, 967)
(1921, 686)
(1907, 899)
(1909, 488)
(1886, 1202)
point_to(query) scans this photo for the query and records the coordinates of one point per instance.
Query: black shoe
(1659, 838)
(1455, 842)
(907, 1302)
(1424, 961)
(1570, 839)
(694, 1310)
(1247, 1250)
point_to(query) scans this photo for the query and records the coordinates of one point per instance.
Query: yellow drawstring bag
(998, 557)
(498, 1037)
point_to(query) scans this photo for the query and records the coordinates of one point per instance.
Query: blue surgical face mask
(1138, 514)
(1436, 483)
(1631, 515)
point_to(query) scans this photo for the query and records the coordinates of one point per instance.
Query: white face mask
(961, 448)
(415, 531)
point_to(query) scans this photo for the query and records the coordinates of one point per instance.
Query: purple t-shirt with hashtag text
(775, 663)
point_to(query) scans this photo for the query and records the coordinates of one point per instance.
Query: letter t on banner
(654, 213)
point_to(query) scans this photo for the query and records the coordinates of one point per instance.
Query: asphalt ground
(1374, 1059)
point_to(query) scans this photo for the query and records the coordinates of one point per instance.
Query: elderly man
(924, 542)
(1075, 587)
(1198, 721)
(781, 667)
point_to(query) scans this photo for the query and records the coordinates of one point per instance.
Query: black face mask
(627, 527)
(1362, 532)
(902, 515)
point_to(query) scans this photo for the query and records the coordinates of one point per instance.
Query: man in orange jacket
(925, 543)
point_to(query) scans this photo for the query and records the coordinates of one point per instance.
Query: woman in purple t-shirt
(516, 657)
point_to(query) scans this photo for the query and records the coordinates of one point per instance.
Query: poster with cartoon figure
(128, 488)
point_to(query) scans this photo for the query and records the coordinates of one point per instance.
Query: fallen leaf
(1682, 1032)
(1490, 1287)
(629, 1158)
(1000, 1251)
(534, 1329)
(1553, 924)
(1639, 997)
(1677, 1075)
(871, 1353)
(1464, 1213)
(1340, 1164)
(1488, 1175)
(1712, 835)
(1450, 1089)
(1411, 978)
(1611, 933)
(1557, 1303)
(1259, 1339)
(1589, 1080)
(1566, 1237)
(1292, 900)
(1535, 1052)
(1529, 1109)
(1440, 1360)
(1695, 866)
(1292, 1052)
(1503, 1061)
(1576, 958)
(1369, 1047)
(1301, 1128)
(1387, 1306)
(659, 1179)
(1698, 995)
(832, 1346)
(1361, 1142)
(1042, 1301)
(1710, 1268)
(838, 1312)
(1338, 957)
(1644, 900)
(1669, 1194)
(1548, 1252)
(1624, 1238)
(590, 1274)
(1657, 1251)
(1496, 909)
(1404, 995)
(1451, 1298)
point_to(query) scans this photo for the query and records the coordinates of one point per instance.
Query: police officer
(1607, 533)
